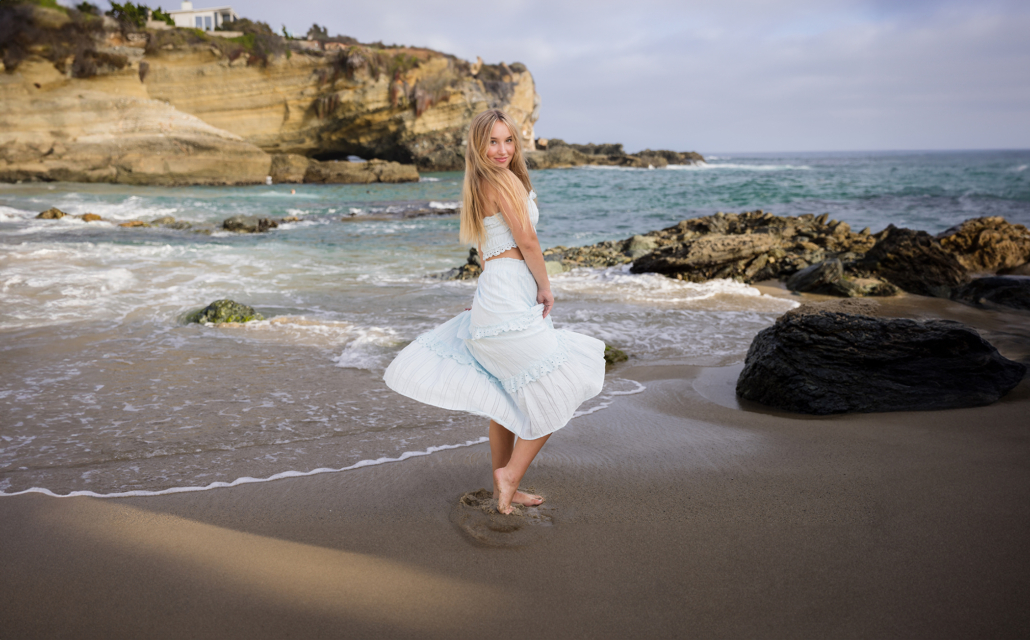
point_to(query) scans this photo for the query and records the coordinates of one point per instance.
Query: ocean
(104, 391)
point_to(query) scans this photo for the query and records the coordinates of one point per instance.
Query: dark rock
(707, 256)
(993, 291)
(821, 362)
(52, 213)
(469, 271)
(1021, 270)
(827, 278)
(248, 224)
(614, 356)
(914, 261)
(221, 311)
(987, 244)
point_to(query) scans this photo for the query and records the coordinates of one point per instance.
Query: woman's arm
(529, 245)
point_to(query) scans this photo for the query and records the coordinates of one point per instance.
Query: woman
(503, 358)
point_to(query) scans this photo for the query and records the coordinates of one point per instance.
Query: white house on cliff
(206, 19)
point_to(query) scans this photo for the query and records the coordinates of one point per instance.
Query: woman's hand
(546, 298)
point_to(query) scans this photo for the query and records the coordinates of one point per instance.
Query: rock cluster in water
(819, 361)
(816, 255)
(555, 153)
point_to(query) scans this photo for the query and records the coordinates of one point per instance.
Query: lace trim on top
(498, 235)
(523, 321)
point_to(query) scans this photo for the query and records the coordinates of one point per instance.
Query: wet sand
(675, 513)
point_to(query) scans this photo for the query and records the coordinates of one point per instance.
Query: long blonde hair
(512, 183)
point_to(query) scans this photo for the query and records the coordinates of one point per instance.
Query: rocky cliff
(89, 98)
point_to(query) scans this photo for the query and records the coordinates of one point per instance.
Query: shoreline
(703, 519)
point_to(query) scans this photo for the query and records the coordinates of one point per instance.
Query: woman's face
(501, 146)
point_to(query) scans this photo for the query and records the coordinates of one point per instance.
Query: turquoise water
(103, 390)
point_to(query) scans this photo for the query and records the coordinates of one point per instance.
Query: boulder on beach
(996, 291)
(221, 311)
(91, 217)
(817, 361)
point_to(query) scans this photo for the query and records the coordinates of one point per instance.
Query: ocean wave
(618, 284)
(613, 389)
(708, 166)
(247, 480)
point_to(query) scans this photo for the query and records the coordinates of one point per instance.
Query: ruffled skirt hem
(430, 372)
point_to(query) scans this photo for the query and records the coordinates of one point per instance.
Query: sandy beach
(674, 513)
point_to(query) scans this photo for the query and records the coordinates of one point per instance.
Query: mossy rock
(613, 355)
(221, 311)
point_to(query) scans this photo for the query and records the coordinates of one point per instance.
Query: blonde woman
(503, 358)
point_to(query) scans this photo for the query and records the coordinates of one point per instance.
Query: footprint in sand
(476, 516)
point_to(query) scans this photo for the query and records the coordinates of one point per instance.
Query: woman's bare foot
(505, 491)
(523, 498)
(527, 499)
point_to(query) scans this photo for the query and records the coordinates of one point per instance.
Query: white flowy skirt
(503, 359)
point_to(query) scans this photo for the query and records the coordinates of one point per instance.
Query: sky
(730, 76)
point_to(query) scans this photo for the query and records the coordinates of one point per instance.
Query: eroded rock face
(996, 291)
(359, 172)
(69, 133)
(405, 104)
(749, 247)
(87, 101)
(988, 244)
(914, 261)
(821, 362)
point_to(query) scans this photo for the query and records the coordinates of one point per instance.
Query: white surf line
(239, 481)
(608, 398)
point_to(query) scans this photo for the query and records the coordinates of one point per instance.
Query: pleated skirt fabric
(502, 359)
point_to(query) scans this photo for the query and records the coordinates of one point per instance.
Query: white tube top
(498, 235)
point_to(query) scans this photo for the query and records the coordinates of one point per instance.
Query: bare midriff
(510, 253)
